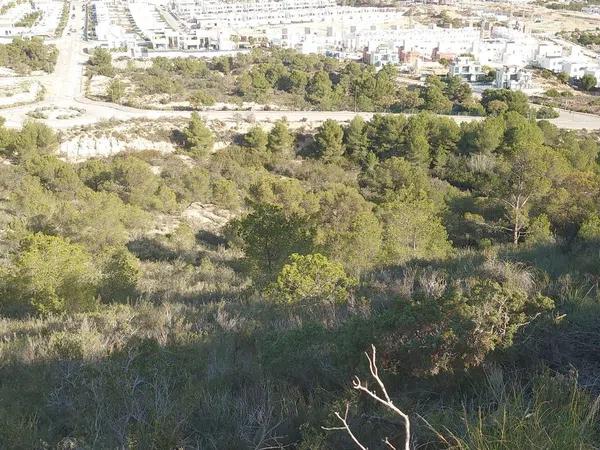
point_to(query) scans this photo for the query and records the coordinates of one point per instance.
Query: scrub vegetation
(282, 79)
(224, 298)
(25, 55)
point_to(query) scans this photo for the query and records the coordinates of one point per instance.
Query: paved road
(65, 88)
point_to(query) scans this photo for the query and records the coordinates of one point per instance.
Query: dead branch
(346, 427)
(384, 399)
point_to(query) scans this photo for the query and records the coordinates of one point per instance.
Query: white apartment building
(504, 48)
(512, 77)
(467, 68)
(519, 53)
(192, 24)
(380, 35)
(449, 41)
(108, 33)
(553, 63)
(575, 69)
(507, 47)
(547, 49)
(571, 60)
(426, 41)
(490, 51)
(215, 13)
(381, 55)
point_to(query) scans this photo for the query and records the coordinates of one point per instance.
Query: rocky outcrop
(206, 216)
(85, 147)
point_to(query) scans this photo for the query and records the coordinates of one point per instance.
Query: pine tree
(280, 140)
(417, 145)
(199, 139)
(256, 139)
(356, 141)
(329, 141)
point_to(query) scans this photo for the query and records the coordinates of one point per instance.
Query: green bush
(28, 54)
(546, 112)
(54, 276)
(199, 139)
(120, 274)
(311, 278)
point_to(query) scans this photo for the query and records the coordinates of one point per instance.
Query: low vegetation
(567, 99)
(25, 55)
(589, 39)
(279, 78)
(9, 5)
(64, 18)
(29, 19)
(568, 5)
(224, 299)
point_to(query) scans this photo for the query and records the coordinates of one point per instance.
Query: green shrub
(311, 278)
(54, 276)
(120, 274)
(590, 229)
(28, 54)
(546, 112)
(66, 345)
(199, 139)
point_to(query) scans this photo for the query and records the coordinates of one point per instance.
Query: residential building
(514, 78)
(575, 69)
(381, 55)
(467, 68)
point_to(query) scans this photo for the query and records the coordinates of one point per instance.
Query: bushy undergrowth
(282, 78)
(223, 299)
(30, 54)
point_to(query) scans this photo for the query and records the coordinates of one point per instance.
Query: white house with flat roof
(547, 49)
(466, 67)
(575, 69)
(513, 77)
(553, 63)
(381, 55)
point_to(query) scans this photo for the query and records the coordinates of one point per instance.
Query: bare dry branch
(385, 400)
(346, 427)
(387, 442)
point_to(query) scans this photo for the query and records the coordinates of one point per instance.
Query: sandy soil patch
(15, 92)
(97, 85)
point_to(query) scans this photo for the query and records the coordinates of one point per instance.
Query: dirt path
(99, 111)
